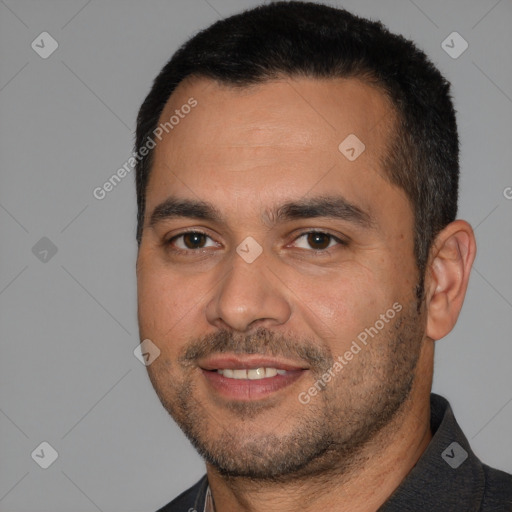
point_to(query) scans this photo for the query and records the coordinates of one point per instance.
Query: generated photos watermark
(101, 192)
(341, 361)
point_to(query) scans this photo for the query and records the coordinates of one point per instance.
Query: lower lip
(248, 390)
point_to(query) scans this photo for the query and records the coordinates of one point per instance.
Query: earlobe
(446, 282)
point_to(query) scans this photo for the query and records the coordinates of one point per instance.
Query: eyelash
(332, 237)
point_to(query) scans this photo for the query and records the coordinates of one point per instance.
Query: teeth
(251, 374)
(239, 374)
(259, 373)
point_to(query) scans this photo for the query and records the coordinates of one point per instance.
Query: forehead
(318, 110)
(271, 139)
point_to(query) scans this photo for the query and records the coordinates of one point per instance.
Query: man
(299, 255)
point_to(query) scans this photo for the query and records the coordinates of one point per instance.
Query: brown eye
(194, 240)
(319, 241)
(190, 241)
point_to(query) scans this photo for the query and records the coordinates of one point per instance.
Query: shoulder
(498, 490)
(192, 500)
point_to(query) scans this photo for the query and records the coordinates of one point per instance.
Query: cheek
(164, 308)
(338, 306)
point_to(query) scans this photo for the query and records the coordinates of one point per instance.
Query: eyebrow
(173, 208)
(335, 207)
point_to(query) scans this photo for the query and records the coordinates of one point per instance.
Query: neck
(375, 471)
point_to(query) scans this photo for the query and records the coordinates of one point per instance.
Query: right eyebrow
(173, 208)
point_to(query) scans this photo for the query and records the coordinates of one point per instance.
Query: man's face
(308, 252)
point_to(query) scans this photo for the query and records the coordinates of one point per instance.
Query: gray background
(68, 375)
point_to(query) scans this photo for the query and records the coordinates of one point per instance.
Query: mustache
(263, 342)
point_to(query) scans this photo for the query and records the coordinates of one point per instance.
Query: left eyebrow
(335, 207)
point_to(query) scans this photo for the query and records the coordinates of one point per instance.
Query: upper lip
(247, 362)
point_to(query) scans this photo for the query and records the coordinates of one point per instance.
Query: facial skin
(301, 303)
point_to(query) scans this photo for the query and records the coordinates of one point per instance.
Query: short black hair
(306, 39)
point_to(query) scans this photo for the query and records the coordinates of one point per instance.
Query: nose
(249, 296)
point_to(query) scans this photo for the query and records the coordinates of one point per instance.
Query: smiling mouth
(249, 377)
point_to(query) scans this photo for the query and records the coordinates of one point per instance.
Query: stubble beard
(326, 435)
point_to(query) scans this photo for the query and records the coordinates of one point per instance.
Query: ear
(447, 277)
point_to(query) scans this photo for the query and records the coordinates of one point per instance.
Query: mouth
(249, 378)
